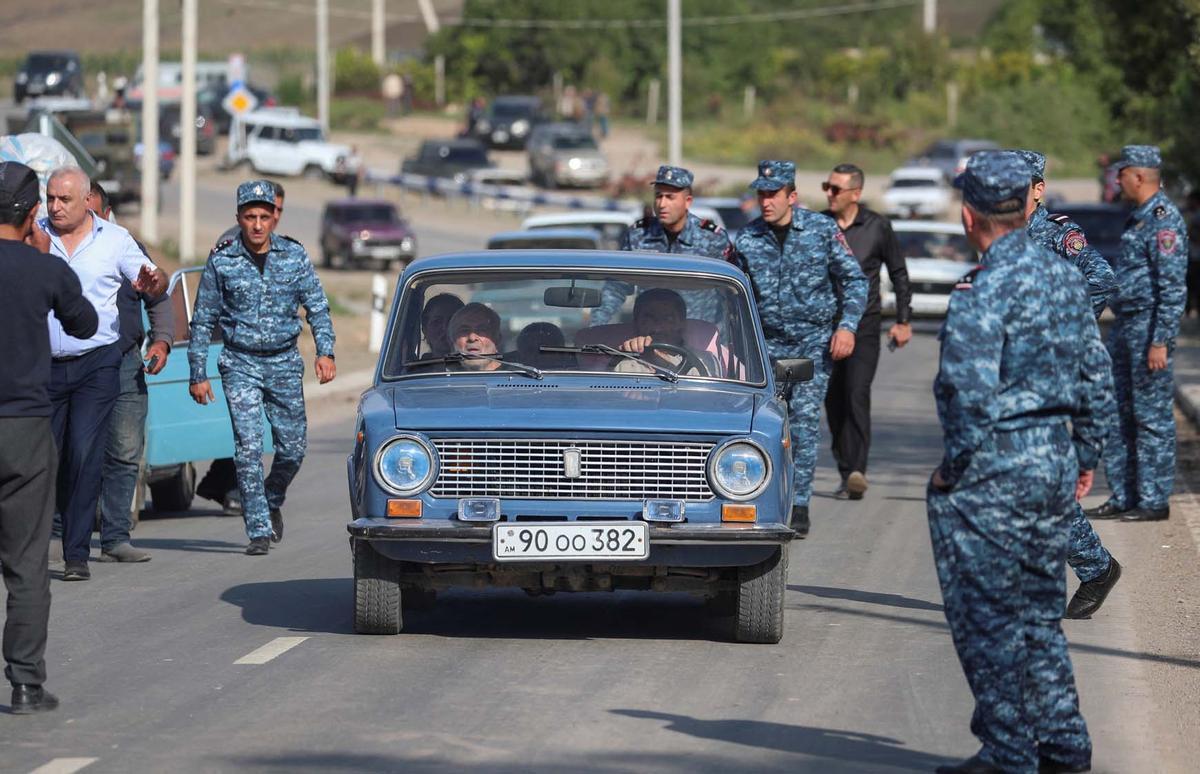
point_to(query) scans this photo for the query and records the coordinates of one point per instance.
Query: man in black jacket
(848, 401)
(32, 284)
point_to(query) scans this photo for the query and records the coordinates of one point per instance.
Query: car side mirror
(792, 370)
(578, 298)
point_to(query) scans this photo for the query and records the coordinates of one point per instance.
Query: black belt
(261, 352)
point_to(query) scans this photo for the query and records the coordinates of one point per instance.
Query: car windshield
(574, 142)
(302, 134)
(378, 213)
(935, 244)
(512, 109)
(471, 156)
(548, 243)
(41, 63)
(476, 320)
(610, 233)
(913, 182)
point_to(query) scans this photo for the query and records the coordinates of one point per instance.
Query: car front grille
(607, 470)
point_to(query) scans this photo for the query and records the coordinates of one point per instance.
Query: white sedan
(917, 192)
(937, 256)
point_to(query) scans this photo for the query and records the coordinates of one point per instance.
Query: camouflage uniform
(1087, 556)
(260, 366)
(805, 289)
(1139, 458)
(698, 237)
(999, 527)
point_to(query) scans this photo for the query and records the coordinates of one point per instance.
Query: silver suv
(566, 154)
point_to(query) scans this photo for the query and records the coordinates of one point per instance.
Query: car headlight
(406, 244)
(520, 126)
(405, 465)
(483, 127)
(739, 470)
(22, 77)
(52, 79)
(575, 163)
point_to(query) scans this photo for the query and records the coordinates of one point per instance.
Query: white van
(170, 80)
(280, 141)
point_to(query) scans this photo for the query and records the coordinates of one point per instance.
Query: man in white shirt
(85, 373)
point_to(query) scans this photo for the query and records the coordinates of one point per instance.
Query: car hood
(936, 269)
(463, 403)
(578, 154)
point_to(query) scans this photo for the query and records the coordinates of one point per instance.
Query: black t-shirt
(781, 233)
(874, 244)
(259, 259)
(33, 283)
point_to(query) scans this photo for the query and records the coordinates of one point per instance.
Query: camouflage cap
(1146, 156)
(256, 192)
(1036, 162)
(995, 182)
(676, 177)
(773, 175)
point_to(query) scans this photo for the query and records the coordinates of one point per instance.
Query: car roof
(930, 226)
(545, 233)
(280, 116)
(359, 201)
(578, 259)
(625, 217)
(919, 173)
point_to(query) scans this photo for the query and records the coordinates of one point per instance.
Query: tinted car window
(908, 182)
(930, 244)
(1098, 225)
(464, 155)
(512, 109)
(370, 214)
(46, 62)
(574, 142)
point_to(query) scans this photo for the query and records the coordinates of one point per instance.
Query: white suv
(280, 141)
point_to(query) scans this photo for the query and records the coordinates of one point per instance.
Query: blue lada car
(573, 421)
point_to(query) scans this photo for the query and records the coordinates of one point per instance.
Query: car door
(269, 152)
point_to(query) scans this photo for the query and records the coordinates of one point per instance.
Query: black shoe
(28, 699)
(799, 522)
(1147, 514)
(258, 546)
(1091, 595)
(856, 485)
(972, 765)
(276, 525)
(1051, 766)
(841, 493)
(1106, 511)
(77, 571)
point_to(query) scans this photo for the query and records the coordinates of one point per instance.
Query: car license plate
(533, 541)
(389, 253)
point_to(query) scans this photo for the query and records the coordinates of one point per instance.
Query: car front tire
(377, 606)
(175, 494)
(758, 608)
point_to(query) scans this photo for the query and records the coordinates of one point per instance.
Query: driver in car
(659, 317)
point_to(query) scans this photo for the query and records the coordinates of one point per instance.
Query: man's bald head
(66, 198)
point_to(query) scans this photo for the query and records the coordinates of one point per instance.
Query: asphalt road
(146, 657)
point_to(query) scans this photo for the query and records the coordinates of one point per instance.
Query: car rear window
(934, 244)
(380, 213)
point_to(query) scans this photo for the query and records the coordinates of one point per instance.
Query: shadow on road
(186, 544)
(870, 597)
(321, 605)
(845, 747)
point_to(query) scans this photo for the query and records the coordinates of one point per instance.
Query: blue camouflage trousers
(804, 405)
(1139, 453)
(1000, 544)
(1087, 557)
(254, 383)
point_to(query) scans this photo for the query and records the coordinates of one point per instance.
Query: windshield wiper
(604, 349)
(458, 357)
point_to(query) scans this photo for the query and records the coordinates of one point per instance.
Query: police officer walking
(1095, 567)
(811, 295)
(253, 286)
(1139, 459)
(671, 229)
(1022, 435)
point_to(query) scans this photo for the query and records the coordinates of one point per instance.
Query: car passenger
(475, 330)
(434, 320)
(533, 337)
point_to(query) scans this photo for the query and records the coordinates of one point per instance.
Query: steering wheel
(690, 359)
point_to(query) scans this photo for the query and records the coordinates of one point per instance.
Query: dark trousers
(28, 464)
(83, 391)
(123, 453)
(848, 401)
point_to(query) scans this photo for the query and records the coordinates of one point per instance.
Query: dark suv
(509, 120)
(455, 159)
(49, 73)
(357, 231)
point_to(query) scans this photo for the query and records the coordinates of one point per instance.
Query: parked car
(206, 127)
(48, 73)
(572, 466)
(566, 154)
(937, 256)
(1102, 224)
(110, 138)
(357, 231)
(950, 156)
(611, 225)
(281, 141)
(546, 239)
(509, 120)
(917, 192)
(453, 159)
(734, 213)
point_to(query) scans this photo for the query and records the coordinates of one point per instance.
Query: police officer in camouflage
(1097, 570)
(1139, 458)
(811, 295)
(672, 229)
(253, 287)
(1022, 388)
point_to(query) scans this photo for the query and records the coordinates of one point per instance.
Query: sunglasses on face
(834, 189)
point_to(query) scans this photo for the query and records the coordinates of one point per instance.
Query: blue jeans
(123, 454)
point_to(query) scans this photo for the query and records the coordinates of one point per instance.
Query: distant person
(32, 285)
(474, 115)
(435, 321)
(391, 89)
(601, 110)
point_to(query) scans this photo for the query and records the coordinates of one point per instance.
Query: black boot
(1091, 595)
(1051, 766)
(799, 522)
(972, 765)
(1106, 511)
(28, 699)
(1147, 514)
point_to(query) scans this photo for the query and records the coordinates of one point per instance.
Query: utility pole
(187, 138)
(674, 83)
(378, 53)
(930, 17)
(323, 63)
(149, 206)
(432, 24)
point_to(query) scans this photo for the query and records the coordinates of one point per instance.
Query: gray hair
(73, 171)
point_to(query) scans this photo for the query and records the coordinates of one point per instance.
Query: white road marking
(275, 647)
(64, 766)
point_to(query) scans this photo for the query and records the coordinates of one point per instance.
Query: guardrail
(517, 194)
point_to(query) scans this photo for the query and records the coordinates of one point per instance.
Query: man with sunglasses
(848, 401)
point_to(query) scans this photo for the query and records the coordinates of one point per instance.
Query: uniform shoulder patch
(1168, 240)
(222, 245)
(710, 225)
(968, 280)
(1160, 212)
(1074, 242)
(291, 239)
(1061, 220)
